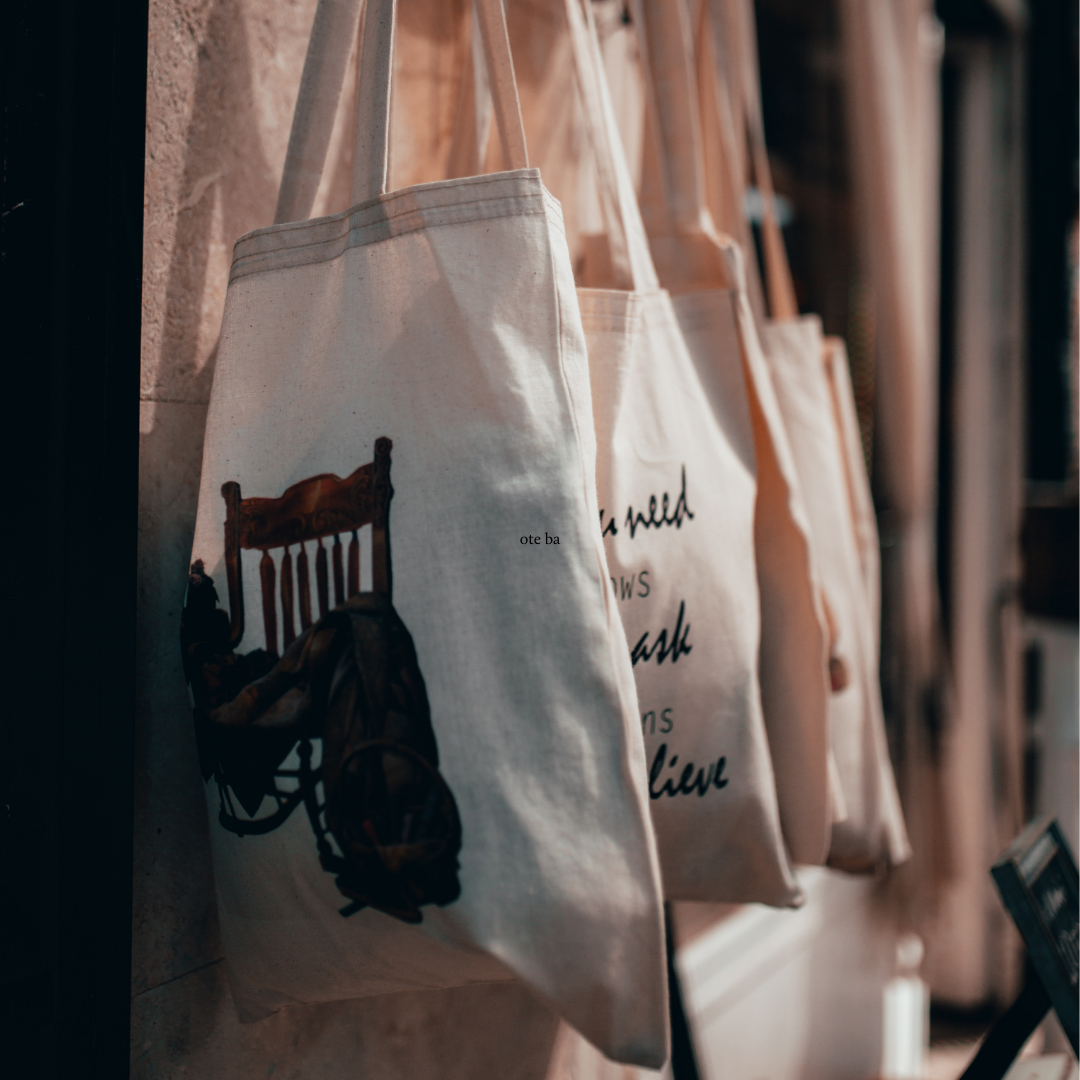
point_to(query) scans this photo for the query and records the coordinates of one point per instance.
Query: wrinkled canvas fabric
(705, 272)
(872, 831)
(813, 397)
(443, 318)
(857, 481)
(635, 333)
(678, 500)
(891, 54)
(676, 482)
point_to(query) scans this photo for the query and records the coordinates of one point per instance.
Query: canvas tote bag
(676, 499)
(842, 394)
(705, 272)
(872, 830)
(414, 703)
(817, 407)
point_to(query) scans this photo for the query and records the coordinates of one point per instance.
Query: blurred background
(996, 715)
(993, 717)
(925, 161)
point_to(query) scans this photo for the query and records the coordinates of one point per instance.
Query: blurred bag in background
(818, 410)
(705, 273)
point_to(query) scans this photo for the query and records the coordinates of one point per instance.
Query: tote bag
(857, 481)
(705, 272)
(416, 714)
(815, 401)
(875, 831)
(676, 499)
(872, 830)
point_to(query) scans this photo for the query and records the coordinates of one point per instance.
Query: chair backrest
(310, 511)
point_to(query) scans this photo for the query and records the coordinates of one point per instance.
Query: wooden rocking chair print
(382, 798)
(310, 511)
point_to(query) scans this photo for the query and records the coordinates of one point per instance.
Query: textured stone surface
(188, 1028)
(174, 925)
(222, 81)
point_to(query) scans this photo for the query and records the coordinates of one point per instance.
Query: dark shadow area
(1052, 212)
(74, 80)
(225, 170)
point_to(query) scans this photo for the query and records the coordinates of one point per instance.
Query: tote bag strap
(686, 246)
(371, 148)
(628, 244)
(333, 32)
(734, 40)
(332, 35)
(675, 191)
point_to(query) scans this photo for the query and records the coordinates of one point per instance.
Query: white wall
(794, 995)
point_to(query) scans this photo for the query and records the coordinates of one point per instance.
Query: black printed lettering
(707, 779)
(675, 517)
(629, 588)
(668, 516)
(660, 647)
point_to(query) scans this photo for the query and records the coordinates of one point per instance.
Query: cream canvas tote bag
(815, 400)
(415, 704)
(875, 831)
(705, 273)
(842, 394)
(872, 830)
(676, 498)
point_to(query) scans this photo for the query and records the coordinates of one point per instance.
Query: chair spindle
(354, 565)
(288, 623)
(339, 573)
(321, 580)
(266, 577)
(304, 583)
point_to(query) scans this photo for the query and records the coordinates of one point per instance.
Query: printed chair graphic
(351, 679)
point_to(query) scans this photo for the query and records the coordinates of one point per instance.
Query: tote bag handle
(320, 90)
(734, 39)
(332, 35)
(674, 184)
(371, 153)
(685, 242)
(628, 244)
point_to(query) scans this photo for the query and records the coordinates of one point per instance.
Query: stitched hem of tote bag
(423, 206)
(698, 310)
(610, 310)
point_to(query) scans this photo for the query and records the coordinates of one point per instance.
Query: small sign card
(1037, 880)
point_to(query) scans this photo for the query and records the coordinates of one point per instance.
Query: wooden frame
(312, 510)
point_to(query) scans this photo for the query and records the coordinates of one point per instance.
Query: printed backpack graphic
(349, 685)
